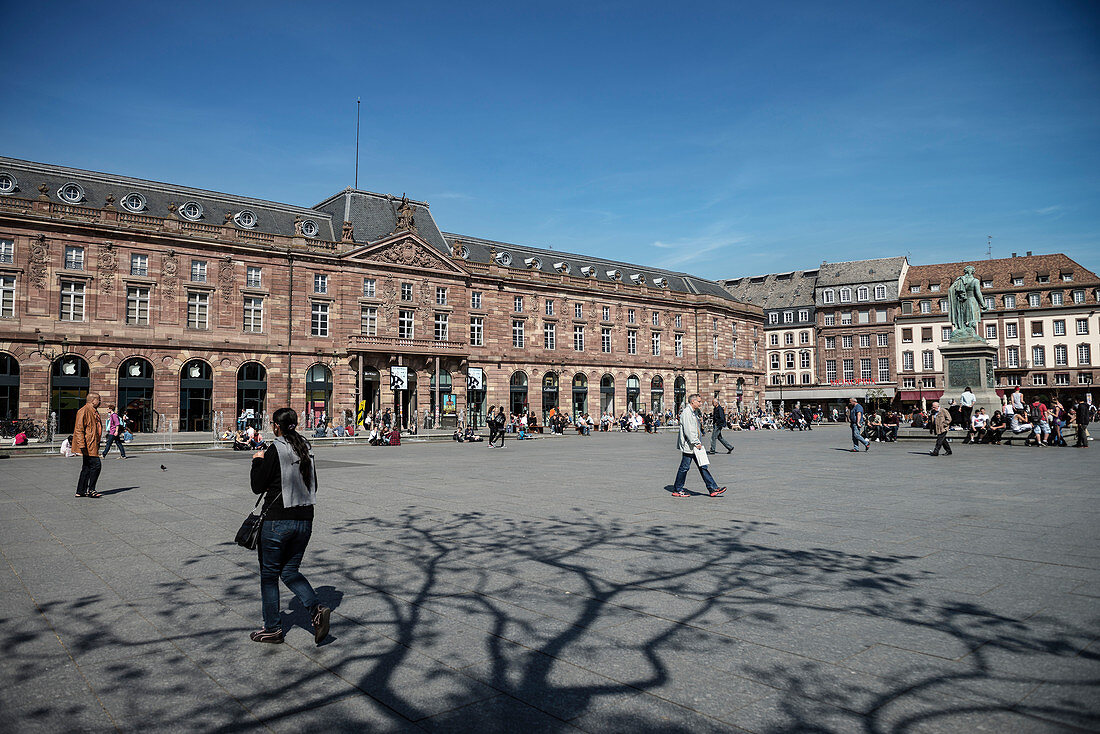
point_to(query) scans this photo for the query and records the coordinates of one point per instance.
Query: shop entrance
(135, 394)
(196, 387)
(318, 395)
(68, 390)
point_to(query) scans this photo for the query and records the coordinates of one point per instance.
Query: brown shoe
(320, 624)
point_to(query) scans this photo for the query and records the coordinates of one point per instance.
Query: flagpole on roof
(357, 100)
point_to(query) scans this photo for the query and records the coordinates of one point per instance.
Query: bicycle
(12, 427)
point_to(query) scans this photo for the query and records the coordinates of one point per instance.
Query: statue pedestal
(969, 363)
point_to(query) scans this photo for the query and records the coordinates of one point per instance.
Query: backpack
(1035, 415)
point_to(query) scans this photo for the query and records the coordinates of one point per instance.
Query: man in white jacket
(690, 443)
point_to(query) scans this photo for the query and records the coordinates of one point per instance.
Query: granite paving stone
(557, 587)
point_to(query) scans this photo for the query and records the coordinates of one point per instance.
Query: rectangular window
(631, 341)
(883, 369)
(1036, 328)
(1067, 277)
(788, 338)
(829, 319)
(884, 340)
(252, 277)
(477, 331)
(928, 360)
(1078, 296)
(827, 297)
(137, 305)
(254, 314)
(7, 251)
(1056, 298)
(1060, 327)
(139, 265)
(368, 320)
(714, 345)
(318, 324)
(830, 342)
(990, 331)
(788, 317)
(788, 360)
(655, 343)
(198, 310)
(945, 334)
(906, 307)
(1082, 326)
(934, 287)
(198, 271)
(928, 381)
(517, 304)
(7, 296)
(804, 360)
(72, 301)
(517, 333)
(370, 287)
(549, 336)
(926, 307)
(1016, 280)
(926, 334)
(320, 283)
(830, 370)
(1084, 378)
(846, 342)
(1084, 354)
(1039, 356)
(880, 315)
(442, 327)
(1061, 355)
(578, 337)
(630, 316)
(907, 382)
(803, 315)
(989, 303)
(845, 295)
(865, 369)
(864, 317)
(1012, 356)
(440, 296)
(678, 341)
(1062, 379)
(773, 339)
(406, 292)
(906, 336)
(607, 313)
(773, 359)
(804, 337)
(849, 369)
(845, 318)
(475, 299)
(1010, 301)
(943, 305)
(74, 258)
(578, 311)
(550, 307)
(907, 361)
(655, 318)
(864, 341)
(715, 324)
(1010, 330)
(880, 292)
(405, 324)
(679, 321)
(1038, 379)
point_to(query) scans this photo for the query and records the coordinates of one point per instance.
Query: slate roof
(271, 217)
(374, 216)
(479, 248)
(860, 271)
(1001, 271)
(775, 290)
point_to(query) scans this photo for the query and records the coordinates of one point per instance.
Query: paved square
(556, 586)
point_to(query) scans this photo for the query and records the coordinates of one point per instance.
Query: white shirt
(967, 398)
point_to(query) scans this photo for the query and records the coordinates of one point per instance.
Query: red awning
(928, 394)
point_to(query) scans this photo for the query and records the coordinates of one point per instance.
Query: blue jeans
(682, 472)
(282, 545)
(113, 439)
(858, 439)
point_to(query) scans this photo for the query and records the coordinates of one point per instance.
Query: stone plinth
(969, 363)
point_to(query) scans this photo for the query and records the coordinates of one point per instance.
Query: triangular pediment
(403, 250)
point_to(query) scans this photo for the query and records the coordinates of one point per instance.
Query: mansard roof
(775, 290)
(160, 198)
(861, 271)
(374, 216)
(1002, 270)
(545, 260)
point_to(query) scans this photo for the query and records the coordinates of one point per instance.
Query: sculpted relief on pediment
(407, 252)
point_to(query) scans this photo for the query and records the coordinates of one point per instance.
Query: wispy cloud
(453, 195)
(691, 249)
(1047, 211)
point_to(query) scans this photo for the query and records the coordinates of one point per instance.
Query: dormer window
(503, 258)
(532, 263)
(987, 284)
(588, 271)
(8, 183)
(660, 282)
(1017, 280)
(637, 279)
(1067, 277)
(133, 202)
(914, 289)
(845, 295)
(1042, 278)
(191, 211)
(614, 274)
(934, 287)
(561, 267)
(309, 228)
(245, 219)
(71, 192)
(464, 252)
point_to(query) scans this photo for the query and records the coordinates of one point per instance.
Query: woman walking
(284, 473)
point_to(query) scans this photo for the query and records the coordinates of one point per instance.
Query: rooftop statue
(965, 306)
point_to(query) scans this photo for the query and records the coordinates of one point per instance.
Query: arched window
(251, 394)
(580, 394)
(657, 394)
(607, 394)
(68, 390)
(680, 391)
(135, 394)
(196, 394)
(517, 393)
(9, 387)
(549, 394)
(318, 395)
(633, 391)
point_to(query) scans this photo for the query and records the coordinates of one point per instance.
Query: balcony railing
(397, 345)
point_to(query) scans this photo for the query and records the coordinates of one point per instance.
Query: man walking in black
(719, 417)
(1082, 411)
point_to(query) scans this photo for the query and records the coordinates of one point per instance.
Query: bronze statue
(965, 305)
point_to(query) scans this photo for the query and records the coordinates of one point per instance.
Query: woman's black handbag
(249, 534)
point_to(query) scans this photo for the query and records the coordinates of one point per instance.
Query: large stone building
(180, 304)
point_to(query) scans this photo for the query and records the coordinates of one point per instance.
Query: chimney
(1014, 254)
(1029, 253)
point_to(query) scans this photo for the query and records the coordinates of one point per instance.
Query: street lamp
(50, 355)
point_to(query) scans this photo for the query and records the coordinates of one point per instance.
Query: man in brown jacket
(941, 423)
(86, 435)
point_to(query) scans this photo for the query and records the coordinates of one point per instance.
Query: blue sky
(721, 139)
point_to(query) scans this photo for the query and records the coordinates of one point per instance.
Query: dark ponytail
(287, 421)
